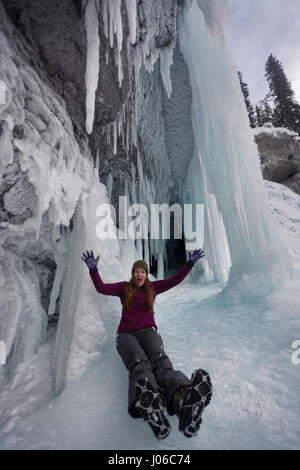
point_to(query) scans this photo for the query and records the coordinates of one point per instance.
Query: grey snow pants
(143, 354)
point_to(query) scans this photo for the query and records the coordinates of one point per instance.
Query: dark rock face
(281, 171)
(17, 198)
(56, 36)
(280, 157)
(54, 32)
(53, 35)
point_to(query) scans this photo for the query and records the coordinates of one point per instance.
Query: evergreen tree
(265, 112)
(259, 117)
(245, 91)
(268, 112)
(286, 111)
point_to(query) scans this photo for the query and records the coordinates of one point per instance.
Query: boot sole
(195, 400)
(150, 407)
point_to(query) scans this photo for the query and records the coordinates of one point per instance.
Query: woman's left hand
(90, 259)
(196, 255)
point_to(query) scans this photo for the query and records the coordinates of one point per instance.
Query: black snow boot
(190, 401)
(151, 408)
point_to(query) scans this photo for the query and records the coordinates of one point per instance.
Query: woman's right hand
(90, 260)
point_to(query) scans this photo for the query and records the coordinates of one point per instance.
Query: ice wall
(225, 172)
(43, 172)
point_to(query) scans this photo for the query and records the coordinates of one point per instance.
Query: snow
(275, 131)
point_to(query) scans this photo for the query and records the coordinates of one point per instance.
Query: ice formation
(42, 155)
(92, 65)
(227, 167)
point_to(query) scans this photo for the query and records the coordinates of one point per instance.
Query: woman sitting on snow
(153, 383)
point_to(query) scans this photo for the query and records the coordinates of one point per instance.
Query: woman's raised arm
(166, 284)
(115, 288)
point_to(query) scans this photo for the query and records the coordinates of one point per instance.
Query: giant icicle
(92, 61)
(228, 163)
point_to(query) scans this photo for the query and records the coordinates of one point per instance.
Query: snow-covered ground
(247, 350)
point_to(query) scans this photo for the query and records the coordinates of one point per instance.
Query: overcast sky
(262, 27)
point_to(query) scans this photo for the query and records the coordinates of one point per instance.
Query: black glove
(90, 260)
(195, 256)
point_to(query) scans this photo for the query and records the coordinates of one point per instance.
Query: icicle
(97, 160)
(119, 123)
(115, 22)
(108, 133)
(166, 60)
(105, 17)
(120, 69)
(140, 170)
(109, 185)
(115, 137)
(133, 129)
(118, 24)
(133, 191)
(92, 65)
(123, 141)
(2, 92)
(124, 113)
(112, 17)
(111, 30)
(61, 262)
(127, 139)
(6, 148)
(132, 14)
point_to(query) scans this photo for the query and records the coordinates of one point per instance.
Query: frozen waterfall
(225, 170)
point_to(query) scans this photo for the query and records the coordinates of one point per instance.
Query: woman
(153, 383)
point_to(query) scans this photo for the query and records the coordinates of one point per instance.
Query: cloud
(263, 27)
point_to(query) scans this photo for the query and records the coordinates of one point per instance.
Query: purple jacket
(138, 318)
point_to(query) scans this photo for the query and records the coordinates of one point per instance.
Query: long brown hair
(132, 289)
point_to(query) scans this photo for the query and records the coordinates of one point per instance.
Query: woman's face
(139, 275)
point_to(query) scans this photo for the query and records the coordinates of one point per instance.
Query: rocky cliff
(279, 151)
